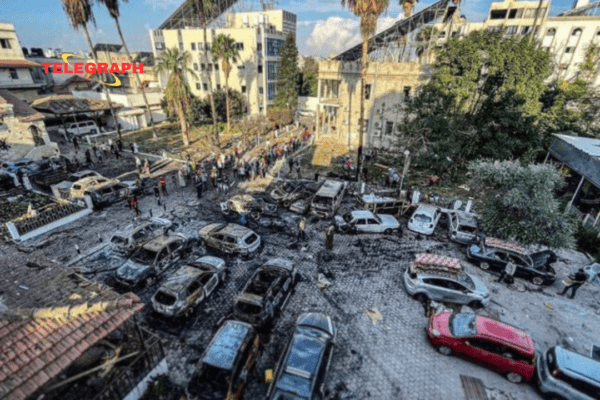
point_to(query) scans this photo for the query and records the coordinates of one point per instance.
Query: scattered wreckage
(463, 227)
(364, 221)
(230, 238)
(63, 188)
(327, 199)
(189, 286)
(303, 367)
(439, 278)
(223, 369)
(106, 194)
(495, 254)
(249, 206)
(125, 240)
(288, 192)
(501, 347)
(266, 292)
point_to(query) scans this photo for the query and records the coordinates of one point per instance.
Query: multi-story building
(258, 37)
(15, 69)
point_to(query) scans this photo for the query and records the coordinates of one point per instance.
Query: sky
(323, 27)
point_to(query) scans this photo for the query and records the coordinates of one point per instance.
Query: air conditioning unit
(377, 133)
(377, 125)
(379, 111)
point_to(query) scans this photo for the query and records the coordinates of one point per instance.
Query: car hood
(418, 226)
(480, 287)
(64, 185)
(389, 221)
(131, 271)
(339, 221)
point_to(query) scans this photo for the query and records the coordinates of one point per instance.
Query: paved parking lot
(388, 360)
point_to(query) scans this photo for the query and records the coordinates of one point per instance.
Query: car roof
(131, 228)
(499, 331)
(317, 320)
(466, 219)
(181, 278)
(504, 245)
(85, 172)
(424, 260)
(361, 214)
(578, 364)
(235, 230)
(159, 242)
(226, 344)
(210, 260)
(304, 355)
(426, 208)
(330, 188)
(280, 263)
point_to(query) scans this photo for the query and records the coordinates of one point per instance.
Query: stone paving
(388, 360)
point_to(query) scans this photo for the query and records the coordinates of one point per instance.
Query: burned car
(494, 254)
(125, 240)
(301, 372)
(63, 188)
(189, 286)
(463, 227)
(288, 192)
(301, 206)
(425, 219)
(248, 205)
(78, 188)
(266, 292)
(107, 194)
(223, 369)
(152, 259)
(363, 221)
(230, 238)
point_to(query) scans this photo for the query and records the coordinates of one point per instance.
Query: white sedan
(424, 219)
(364, 221)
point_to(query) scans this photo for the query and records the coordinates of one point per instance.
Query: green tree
(224, 49)
(113, 9)
(235, 99)
(177, 91)
(287, 76)
(80, 15)
(520, 203)
(308, 82)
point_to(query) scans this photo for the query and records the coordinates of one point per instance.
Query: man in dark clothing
(75, 143)
(120, 145)
(88, 156)
(117, 154)
(163, 185)
(199, 188)
(157, 194)
(132, 148)
(134, 205)
(574, 283)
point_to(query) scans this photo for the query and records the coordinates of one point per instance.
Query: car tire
(484, 266)
(445, 350)
(514, 377)
(475, 305)
(287, 204)
(420, 297)
(536, 280)
(387, 232)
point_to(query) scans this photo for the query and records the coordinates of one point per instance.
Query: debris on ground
(550, 306)
(375, 315)
(323, 283)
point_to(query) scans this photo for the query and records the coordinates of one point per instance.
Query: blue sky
(323, 26)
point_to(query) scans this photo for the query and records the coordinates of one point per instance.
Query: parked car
(439, 278)
(78, 129)
(251, 206)
(189, 286)
(224, 366)
(301, 371)
(424, 219)
(565, 375)
(109, 193)
(363, 221)
(288, 192)
(463, 227)
(266, 292)
(301, 206)
(65, 185)
(152, 259)
(495, 254)
(125, 240)
(25, 165)
(501, 347)
(327, 199)
(78, 188)
(230, 238)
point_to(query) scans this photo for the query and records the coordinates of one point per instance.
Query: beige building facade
(258, 37)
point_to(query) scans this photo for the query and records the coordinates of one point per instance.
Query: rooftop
(67, 104)
(21, 109)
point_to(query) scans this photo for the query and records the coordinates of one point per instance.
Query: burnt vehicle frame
(288, 192)
(253, 207)
(229, 238)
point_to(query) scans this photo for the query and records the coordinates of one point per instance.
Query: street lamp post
(404, 170)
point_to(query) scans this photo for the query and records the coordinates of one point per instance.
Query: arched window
(35, 134)
(577, 32)
(551, 32)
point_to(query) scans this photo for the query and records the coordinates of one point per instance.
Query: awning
(18, 64)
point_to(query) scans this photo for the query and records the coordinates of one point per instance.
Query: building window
(511, 30)
(218, 87)
(498, 14)
(270, 90)
(239, 46)
(203, 67)
(193, 46)
(209, 67)
(259, 47)
(207, 46)
(159, 46)
(272, 67)
(205, 87)
(570, 50)
(525, 30)
(260, 90)
(367, 92)
(577, 32)
(260, 68)
(273, 46)
(551, 32)
(243, 89)
(197, 86)
(407, 92)
(241, 67)
(515, 13)
(5, 43)
(195, 66)
(389, 127)
(13, 73)
(216, 67)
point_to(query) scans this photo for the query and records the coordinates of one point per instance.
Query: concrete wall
(19, 134)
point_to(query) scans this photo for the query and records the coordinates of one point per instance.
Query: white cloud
(320, 6)
(337, 34)
(163, 4)
(306, 23)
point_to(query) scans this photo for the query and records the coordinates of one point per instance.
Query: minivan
(327, 199)
(563, 374)
(79, 128)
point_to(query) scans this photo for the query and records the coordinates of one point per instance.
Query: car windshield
(463, 325)
(118, 240)
(325, 201)
(467, 281)
(247, 308)
(294, 384)
(422, 218)
(165, 298)
(251, 239)
(348, 217)
(73, 178)
(216, 376)
(144, 256)
(279, 395)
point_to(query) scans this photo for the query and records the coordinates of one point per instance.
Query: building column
(574, 194)
(319, 92)
(318, 117)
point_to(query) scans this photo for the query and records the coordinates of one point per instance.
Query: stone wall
(19, 135)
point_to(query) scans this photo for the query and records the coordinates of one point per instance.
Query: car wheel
(387, 232)
(514, 377)
(445, 350)
(475, 305)
(538, 281)
(287, 204)
(420, 297)
(484, 266)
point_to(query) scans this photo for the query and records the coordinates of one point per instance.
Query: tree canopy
(287, 75)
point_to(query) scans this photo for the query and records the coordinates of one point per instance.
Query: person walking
(574, 282)
(299, 169)
(163, 185)
(199, 188)
(225, 184)
(291, 164)
(135, 205)
(157, 194)
(180, 176)
(138, 164)
(329, 235)
(120, 145)
(147, 168)
(301, 228)
(174, 182)
(117, 154)
(508, 272)
(213, 177)
(88, 156)
(75, 143)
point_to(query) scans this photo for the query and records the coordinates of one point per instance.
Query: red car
(503, 348)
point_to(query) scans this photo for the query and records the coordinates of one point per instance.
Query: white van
(79, 128)
(327, 199)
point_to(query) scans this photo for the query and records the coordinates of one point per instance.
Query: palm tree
(113, 9)
(204, 9)
(368, 11)
(80, 14)
(224, 49)
(408, 5)
(177, 91)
